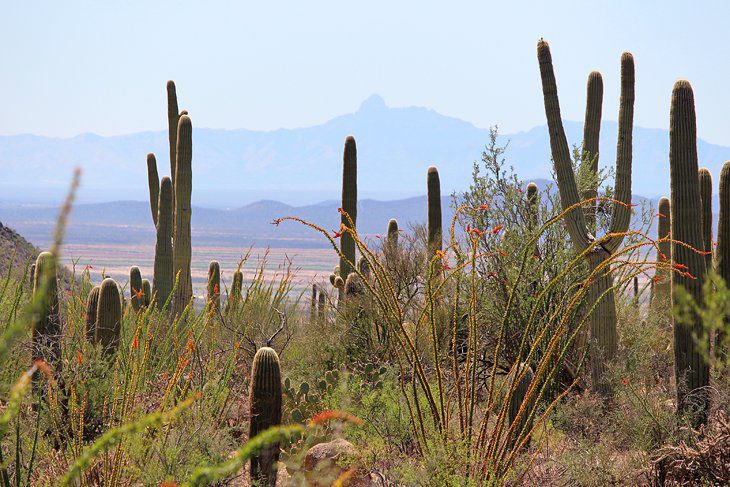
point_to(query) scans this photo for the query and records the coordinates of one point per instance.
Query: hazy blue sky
(71, 67)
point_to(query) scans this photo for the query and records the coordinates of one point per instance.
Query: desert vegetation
(554, 335)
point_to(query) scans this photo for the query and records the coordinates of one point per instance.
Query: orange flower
(327, 416)
(497, 229)
(139, 294)
(664, 257)
(216, 290)
(661, 215)
(483, 207)
(339, 210)
(657, 279)
(135, 343)
(336, 234)
(377, 236)
(276, 222)
(491, 273)
(687, 274)
(468, 228)
(190, 346)
(441, 254)
(503, 253)
(680, 266)
(625, 381)
(236, 344)
(79, 358)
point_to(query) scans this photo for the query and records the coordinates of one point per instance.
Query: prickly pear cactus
(265, 412)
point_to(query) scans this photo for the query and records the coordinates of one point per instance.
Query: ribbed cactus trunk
(214, 285)
(691, 370)
(92, 302)
(722, 254)
(147, 290)
(234, 293)
(392, 234)
(516, 400)
(31, 272)
(163, 278)
(46, 320)
(136, 292)
(435, 232)
(182, 251)
(313, 304)
(173, 118)
(349, 204)
(153, 181)
(321, 309)
(661, 285)
(265, 412)
(108, 316)
(591, 139)
(603, 332)
(706, 199)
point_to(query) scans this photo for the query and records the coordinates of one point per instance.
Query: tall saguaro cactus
(435, 233)
(603, 318)
(690, 367)
(234, 293)
(163, 278)
(214, 285)
(46, 321)
(153, 181)
(92, 302)
(182, 251)
(722, 254)
(660, 286)
(265, 412)
(108, 316)
(393, 232)
(706, 199)
(349, 203)
(136, 291)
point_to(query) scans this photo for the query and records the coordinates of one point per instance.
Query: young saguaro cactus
(660, 285)
(147, 290)
(313, 304)
(321, 309)
(108, 316)
(153, 181)
(435, 233)
(214, 285)
(603, 318)
(516, 400)
(163, 278)
(235, 293)
(265, 412)
(691, 370)
(722, 254)
(46, 322)
(706, 199)
(92, 302)
(349, 203)
(182, 252)
(136, 292)
(393, 233)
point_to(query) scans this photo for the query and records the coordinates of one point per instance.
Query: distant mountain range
(301, 166)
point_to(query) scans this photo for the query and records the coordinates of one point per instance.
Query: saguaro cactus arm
(624, 148)
(591, 139)
(172, 121)
(153, 181)
(705, 178)
(569, 196)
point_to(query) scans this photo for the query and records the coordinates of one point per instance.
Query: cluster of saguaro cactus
(214, 285)
(265, 412)
(603, 318)
(349, 204)
(433, 184)
(108, 316)
(686, 227)
(46, 320)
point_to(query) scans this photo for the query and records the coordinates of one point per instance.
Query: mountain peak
(372, 103)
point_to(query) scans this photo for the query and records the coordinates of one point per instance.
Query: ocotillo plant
(181, 250)
(603, 318)
(153, 181)
(136, 292)
(265, 412)
(91, 305)
(435, 232)
(172, 121)
(147, 289)
(234, 293)
(214, 285)
(163, 278)
(591, 139)
(108, 316)
(686, 227)
(349, 203)
(46, 324)
(660, 284)
(722, 254)
(706, 199)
